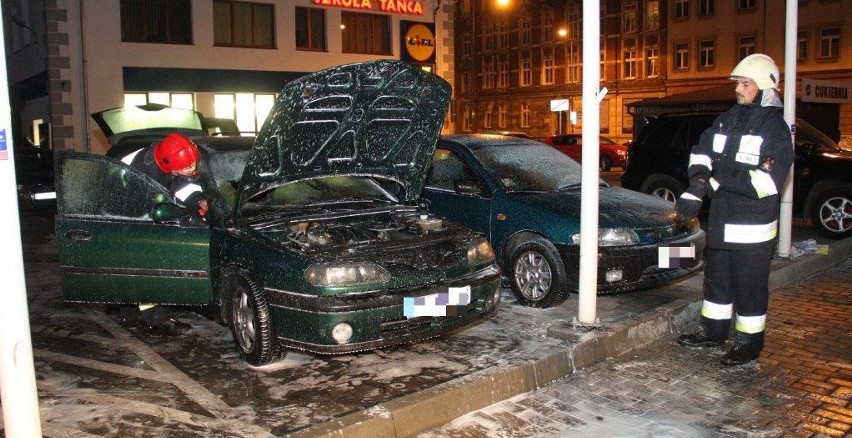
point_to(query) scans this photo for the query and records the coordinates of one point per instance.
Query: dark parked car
(525, 197)
(34, 177)
(822, 189)
(318, 243)
(612, 154)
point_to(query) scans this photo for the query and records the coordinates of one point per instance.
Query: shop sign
(418, 42)
(406, 7)
(826, 91)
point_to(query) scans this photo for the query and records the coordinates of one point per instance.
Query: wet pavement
(801, 386)
(98, 376)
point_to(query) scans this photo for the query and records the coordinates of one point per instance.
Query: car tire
(831, 214)
(662, 186)
(606, 163)
(250, 321)
(537, 274)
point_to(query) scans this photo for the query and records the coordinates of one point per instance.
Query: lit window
(652, 15)
(548, 71)
(629, 16)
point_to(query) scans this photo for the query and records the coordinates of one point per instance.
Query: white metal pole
(591, 155)
(785, 228)
(17, 374)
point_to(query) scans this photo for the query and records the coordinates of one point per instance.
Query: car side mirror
(167, 212)
(468, 187)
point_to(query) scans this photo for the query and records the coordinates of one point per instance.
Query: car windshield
(529, 168)
(320, 191)
(809, 137)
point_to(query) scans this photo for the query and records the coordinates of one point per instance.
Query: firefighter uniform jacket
(186, 189)
(745, 157)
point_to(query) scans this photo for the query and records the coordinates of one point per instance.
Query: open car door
(110, 248)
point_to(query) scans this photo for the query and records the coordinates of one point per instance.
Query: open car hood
(380, 118)
(150, 119)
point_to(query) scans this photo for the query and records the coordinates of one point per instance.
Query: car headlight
(621, 153)
(346, 274)
(612, 237)
(480, 253)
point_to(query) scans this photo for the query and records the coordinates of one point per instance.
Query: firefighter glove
(687, 206)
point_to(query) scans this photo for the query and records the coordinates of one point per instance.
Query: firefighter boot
(699, 339)
(746, 348)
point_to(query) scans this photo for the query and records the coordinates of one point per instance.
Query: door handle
(78, 235)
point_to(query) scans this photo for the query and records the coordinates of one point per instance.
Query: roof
(720, 94)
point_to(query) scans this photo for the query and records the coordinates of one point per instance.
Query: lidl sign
(418, 42)
(406, 7)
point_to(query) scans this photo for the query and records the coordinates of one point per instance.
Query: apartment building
(515, 57)
(220, 57)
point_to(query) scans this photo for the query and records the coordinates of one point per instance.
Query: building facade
(514, 58)
(222, 58)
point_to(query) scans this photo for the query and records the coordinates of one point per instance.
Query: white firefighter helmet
(759, 68)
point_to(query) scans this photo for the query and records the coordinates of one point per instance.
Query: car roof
(479, 141)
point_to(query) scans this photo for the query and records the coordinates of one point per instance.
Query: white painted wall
(105, 55)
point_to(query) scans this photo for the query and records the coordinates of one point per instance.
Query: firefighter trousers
(737, 281)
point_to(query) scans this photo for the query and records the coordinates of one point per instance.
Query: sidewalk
(629, 322)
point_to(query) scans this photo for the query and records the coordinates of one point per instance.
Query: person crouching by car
(174, 163)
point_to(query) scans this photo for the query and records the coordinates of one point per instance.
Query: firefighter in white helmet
(740, 164)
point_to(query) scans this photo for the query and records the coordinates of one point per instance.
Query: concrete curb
(418, 412)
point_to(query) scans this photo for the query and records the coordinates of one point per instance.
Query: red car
(612, 154)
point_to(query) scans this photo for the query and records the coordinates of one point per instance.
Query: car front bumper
(377, 320)
(639, 265)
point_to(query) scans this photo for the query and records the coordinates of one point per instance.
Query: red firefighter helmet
(176, 152)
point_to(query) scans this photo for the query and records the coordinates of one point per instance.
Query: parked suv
(822, 190)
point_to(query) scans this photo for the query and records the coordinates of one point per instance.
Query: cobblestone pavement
(800, 387)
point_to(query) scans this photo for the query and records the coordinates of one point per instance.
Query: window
(526, 31)
(706, 53)
(574, 30)
(241, 24)
(681, 9)
(652, 63)
(802, 45)
(681, 56)
(525, 76)
(829, 42)
(629, 63)
(176, 100)
(746, 5)
(745, 46)
(652, 15)
(706, 8)
(466, 115)
(466, 44)
(464, 84)
(310, 29)
(574, 68)
(156, 21)
(247, 109)
(488, 37)
(366, 33)
(503, 75)
(525, 115)
(502, 116)
(488, 117)
(548, 70)
(490, 76)
(547, 27)
(629, 16)
(503, 35)
(446, 169)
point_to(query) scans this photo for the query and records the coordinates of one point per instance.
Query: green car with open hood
(314, 240)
